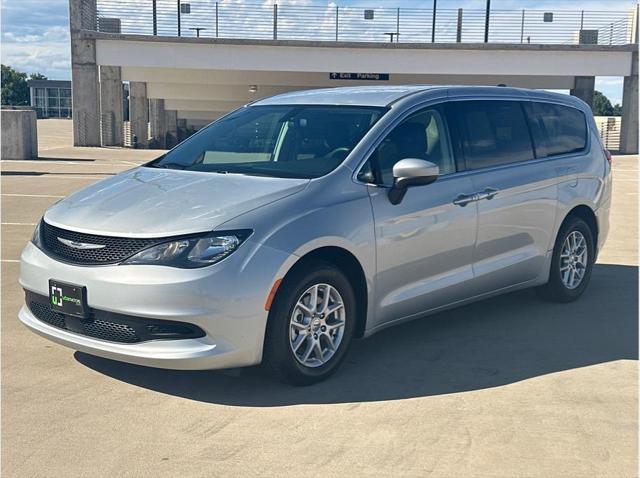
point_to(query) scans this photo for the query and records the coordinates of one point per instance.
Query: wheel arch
(348, 264)
(587, 214)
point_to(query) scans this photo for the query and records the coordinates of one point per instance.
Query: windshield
(281, 141)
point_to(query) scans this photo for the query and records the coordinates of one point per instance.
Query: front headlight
(192, 252)
(36, 238)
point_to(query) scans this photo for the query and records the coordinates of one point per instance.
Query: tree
(617, 110)
(15, 91)
(14, 87)
(601, 105)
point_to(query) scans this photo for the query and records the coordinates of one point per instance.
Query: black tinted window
(565, 129)
(493, 133)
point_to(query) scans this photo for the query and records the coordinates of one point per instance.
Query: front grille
(98, 329)
(101, 329)
(45, 314)
(115, 249)
(103, 325)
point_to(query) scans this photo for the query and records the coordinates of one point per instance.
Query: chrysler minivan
(291, 226)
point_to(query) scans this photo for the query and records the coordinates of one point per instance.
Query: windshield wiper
(169, 165)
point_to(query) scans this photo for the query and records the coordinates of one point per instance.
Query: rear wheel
(311, 324)
(572, 262)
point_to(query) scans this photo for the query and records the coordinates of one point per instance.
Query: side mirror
(411, 172)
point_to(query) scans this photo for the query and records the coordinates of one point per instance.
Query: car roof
(381, 96)
(350, 95)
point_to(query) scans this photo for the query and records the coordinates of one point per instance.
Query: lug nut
(315, 336)
(323, 328)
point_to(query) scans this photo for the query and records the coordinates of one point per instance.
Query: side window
(423, 135)
(565, 128)
(493, 133)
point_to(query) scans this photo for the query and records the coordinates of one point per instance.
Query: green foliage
(603, 107)
(15, 91)
(617, 110)
(14, 87)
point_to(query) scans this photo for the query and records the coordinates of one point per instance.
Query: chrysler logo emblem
(80, 245)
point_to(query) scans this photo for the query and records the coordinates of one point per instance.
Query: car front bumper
(226, 300)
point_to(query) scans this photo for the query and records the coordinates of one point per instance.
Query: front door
(425, 243)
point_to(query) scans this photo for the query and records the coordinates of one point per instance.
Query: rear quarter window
(563, 129)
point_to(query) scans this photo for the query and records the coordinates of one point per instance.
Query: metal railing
(211, 19)
(609, 129)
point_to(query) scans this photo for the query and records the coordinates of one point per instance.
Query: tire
(283, 335)
(559, 287)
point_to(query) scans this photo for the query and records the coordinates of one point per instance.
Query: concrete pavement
(508, 387)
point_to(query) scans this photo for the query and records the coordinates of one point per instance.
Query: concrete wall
(84, 75)
(584, 89)
(139, 113)
(157, 124)
(629, 130)
(111, 105)
(19, 134)
(201, 79)
(394, 58)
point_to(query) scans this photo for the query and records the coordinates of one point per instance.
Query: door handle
(488, 193)
(463, 199)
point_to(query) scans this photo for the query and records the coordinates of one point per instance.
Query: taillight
(607, 153)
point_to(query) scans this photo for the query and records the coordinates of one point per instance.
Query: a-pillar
(584, 88)
(157, 123)
(84, 74)
(629, 127)
(111, 113)
(139, 114)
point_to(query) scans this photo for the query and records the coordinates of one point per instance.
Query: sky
(35, 33)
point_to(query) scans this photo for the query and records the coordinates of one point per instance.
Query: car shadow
(487, 344)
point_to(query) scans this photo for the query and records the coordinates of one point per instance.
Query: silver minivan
(291, 226)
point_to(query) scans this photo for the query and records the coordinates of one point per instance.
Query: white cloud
(47, 52)
(35, 36)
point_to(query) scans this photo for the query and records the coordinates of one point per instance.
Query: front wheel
(572, 262)
(311, 324)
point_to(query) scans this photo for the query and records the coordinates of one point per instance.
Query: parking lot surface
(508, 387)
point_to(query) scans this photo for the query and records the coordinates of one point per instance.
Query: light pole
(486, 22)
(433, 23)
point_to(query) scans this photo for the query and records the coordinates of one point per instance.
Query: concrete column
(158, 123)
(19, 134)
(584, 88)
(84, 74)
(111, 113)
(171, 122)
(139, 113)
(629, 127)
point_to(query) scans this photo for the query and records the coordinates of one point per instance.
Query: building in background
(188, 63)
(50, 98)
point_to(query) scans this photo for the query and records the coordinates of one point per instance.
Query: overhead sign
(359, 76)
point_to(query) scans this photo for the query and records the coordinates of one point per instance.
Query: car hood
(146, 202)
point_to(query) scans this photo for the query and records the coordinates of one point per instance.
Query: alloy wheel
(316, 326)
(573, 259)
